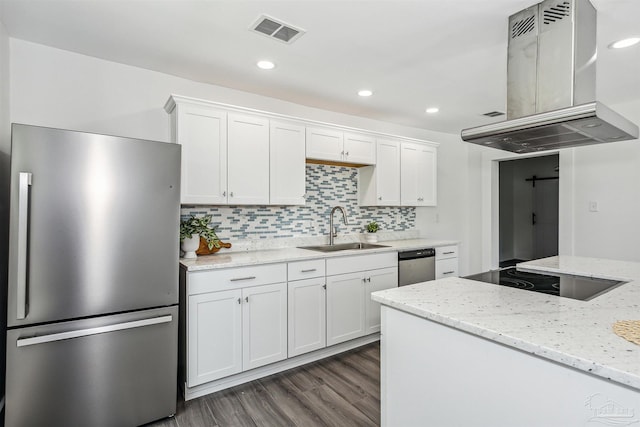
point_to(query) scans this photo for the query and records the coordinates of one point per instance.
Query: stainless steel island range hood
(551, 84)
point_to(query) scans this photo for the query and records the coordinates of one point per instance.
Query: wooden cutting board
(204, 248)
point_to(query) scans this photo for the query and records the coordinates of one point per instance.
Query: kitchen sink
(343, 247)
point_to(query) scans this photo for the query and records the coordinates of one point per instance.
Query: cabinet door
(446, 268)
(359, 148)
(388, 173)
(418, 175)
(427, 176)
(307, 315)
(248, 160)
(287, 164)
(345, 307)
(214, 346)
(264, 325)
(377, 280)
(202, 132)
(324, 144)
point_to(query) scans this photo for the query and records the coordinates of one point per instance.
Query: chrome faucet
(333, 232)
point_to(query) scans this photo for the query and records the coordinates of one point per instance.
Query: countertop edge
(272, 256)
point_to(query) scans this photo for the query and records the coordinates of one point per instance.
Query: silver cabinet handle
(324, 286)
(231, 194)
(309, 270)
(93, 331)
(246, 299)
(448, 253)
(239, 300)
(346, 154)
(369, 279)
(236, 279)
(224, 194)
(380, 198)
(448, 272)
(23, 221)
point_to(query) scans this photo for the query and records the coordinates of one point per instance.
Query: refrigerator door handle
(22, 342)
(23, 222)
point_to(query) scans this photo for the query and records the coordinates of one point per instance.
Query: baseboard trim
(274, 368)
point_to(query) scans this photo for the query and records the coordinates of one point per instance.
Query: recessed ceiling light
(432, 110)
(365, 92)
(624, 43)
(266, 65)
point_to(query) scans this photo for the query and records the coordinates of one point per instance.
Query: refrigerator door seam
(93, 331)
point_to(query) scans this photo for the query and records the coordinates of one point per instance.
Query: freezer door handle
(23, 220)
(22, 342)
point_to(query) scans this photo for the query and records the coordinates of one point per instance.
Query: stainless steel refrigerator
(92, 314)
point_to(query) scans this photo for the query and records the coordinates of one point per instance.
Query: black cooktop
(576, 287)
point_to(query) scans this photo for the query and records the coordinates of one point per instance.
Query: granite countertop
(571, 332)
(241, 259)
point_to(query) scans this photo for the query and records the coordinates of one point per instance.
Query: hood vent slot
(523, 26)
(556, 13)
(276, 29)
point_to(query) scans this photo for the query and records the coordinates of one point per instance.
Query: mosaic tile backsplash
(327, 186)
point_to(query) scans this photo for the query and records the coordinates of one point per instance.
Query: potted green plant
(191, 229)
(372, 228)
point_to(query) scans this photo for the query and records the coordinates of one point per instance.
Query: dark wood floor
(343, 390)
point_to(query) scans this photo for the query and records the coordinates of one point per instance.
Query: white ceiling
(412, 54)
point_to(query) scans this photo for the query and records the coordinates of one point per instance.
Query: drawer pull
(448, 253)
(448, 272)
(237, 279)
(309, 270)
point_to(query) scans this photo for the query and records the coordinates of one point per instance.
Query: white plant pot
(190, 246)
(370, 237)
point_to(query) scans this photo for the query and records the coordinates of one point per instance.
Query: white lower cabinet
(446, 261)
(231, 331)
(264, 325)
(350, 311)
(307, 315)
(215, 336)
(345, 307)
(377, 280)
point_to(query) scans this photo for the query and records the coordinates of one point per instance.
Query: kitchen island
(457, 352)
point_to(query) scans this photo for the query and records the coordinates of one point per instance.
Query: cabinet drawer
(444, 252)
(305, 269)
(350, 264)
(446, 268)
(234, 278)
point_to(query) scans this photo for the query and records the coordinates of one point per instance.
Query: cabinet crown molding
(175, 100)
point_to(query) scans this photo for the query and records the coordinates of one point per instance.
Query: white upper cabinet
(359, 148)
(248, 154)
(287, 163)
(379, 185)
(324, 144)
(202, 132)
(418, 181)
(337, 146)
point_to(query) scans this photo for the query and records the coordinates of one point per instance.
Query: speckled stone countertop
(240, 259)
(567, 331)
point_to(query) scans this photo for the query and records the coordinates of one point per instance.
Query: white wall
(52, 87)
(5, 148)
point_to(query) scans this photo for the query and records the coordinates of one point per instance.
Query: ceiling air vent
(494, 114)
(273, 28)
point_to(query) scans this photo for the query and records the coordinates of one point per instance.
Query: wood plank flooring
(343, 390)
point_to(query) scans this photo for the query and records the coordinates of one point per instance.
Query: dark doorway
(528, 209)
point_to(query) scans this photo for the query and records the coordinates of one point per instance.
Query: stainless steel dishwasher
(416, 266)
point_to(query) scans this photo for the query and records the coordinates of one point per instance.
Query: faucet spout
(332, 232)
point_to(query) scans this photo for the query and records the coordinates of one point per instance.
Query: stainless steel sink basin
(342, 247)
